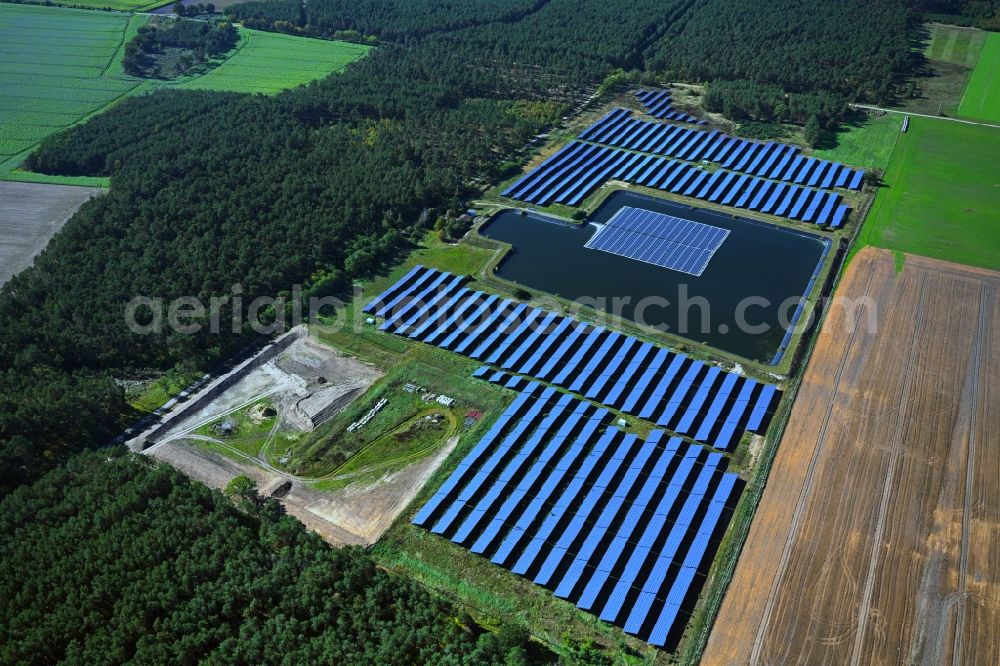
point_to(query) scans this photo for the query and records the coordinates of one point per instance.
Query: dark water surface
(757, 261)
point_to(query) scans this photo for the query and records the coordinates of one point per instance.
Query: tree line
(113, 558)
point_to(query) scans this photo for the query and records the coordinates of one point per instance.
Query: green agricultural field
(954, 44)
(120, 5)
(865, 141)
(982, 96)
(57, 70)
(941, 197)
(268, 62)
(60, 66)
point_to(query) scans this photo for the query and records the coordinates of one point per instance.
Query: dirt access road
(877, 540)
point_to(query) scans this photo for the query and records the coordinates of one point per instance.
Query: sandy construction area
(877, 540)
(30, 214)
(305, 381)
(353, 516)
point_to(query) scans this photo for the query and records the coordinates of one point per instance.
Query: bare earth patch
(876, 540)
(306, 383)
(30, 214)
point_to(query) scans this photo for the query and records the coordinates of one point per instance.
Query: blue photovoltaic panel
(598, 515)
(659, 239)
(608, 367)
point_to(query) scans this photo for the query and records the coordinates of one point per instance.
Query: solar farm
(764, 177)
(623, 527)
(670, 389)
(617, 525)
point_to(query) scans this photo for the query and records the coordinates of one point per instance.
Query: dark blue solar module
(658, 239)
(617, 370)
(619, 526)
(658, 104)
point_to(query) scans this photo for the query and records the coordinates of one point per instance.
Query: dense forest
(979, 13)
(168, 48)
(212, 190)
(112, 558)
(749, 100)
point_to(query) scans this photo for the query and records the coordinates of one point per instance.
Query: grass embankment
(411, 442)
(941, 196)
(982, 96)
(863, 141)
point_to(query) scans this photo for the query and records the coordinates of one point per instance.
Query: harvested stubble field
(876, 540)
(30, 214)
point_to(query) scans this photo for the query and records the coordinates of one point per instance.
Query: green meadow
(268, 62)
(981, 100)
(954, 44)
(941, 196)
(864, 141)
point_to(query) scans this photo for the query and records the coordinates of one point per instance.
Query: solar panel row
(578, 169)
(674, 391)
(657, 104)
(775, 161)
(619, 526)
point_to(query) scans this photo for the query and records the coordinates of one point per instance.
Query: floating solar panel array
(659, 239)
(657, 104)
(578, 169)
(621, 527)
(670, 389)
(775, 161)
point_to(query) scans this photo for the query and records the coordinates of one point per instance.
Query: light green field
(982, 96)
(56, 67)
(865, 142)
(60, 66)
(268, 62)
(954, 44)
(119, 5)
(941, 197)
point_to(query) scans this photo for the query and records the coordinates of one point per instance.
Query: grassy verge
(413, 441)
(156, 393)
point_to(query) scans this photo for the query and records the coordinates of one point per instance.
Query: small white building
(445, 400)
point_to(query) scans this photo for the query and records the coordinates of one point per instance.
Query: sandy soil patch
(877, 540)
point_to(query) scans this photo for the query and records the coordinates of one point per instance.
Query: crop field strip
(623, 528)
(62, 65)
(658, 105)
(677, 393)
(54, 62)
(269, 62)
(662, 156)
(982, 94)
(875, 540)
(659, 239)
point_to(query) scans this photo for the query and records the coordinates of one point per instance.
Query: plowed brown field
(877, 540)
